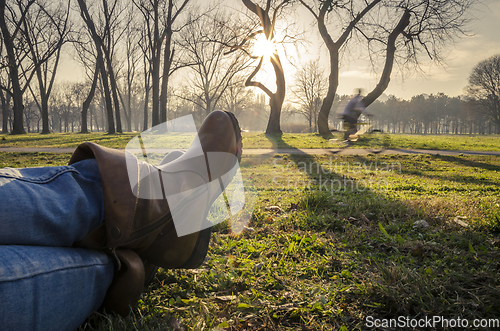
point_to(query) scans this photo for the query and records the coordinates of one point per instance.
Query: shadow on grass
(470, 163)
(402, 280)
(471, 177)
(348, 197)
(317, 258)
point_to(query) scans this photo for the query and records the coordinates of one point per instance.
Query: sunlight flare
(264, 47)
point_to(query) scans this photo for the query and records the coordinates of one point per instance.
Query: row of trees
(422, 114)
(131, 50)
(65, 109)
(432, 114)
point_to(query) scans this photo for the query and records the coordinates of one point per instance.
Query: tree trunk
(167, 63)
(333, 78)
(129, 109)
(5, 114)
(156, 92)
(46, 93)
(44, 101)
(100, 63)
(146, 110)
(18, 126)
(88, 100)
(156, 67)
(146, 96)
(107, 95)
(276, 99)
(273, 125)
(389, 60)
(114, 89)
(310, 122)
(208, 106)
(107, 49)
(333, 82)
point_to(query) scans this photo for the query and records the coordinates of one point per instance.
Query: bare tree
(106, 27)
(147, 70)
(65, 105)
(237, 98)
(100, 62)
(266, 16)
(160, 45)
(88, 101)
(205, 43)
(426, 25)
(113, 32)
(309, 89)
(484, 87)
(323, 10)
(5, 99)
(10, 26)
(86, 55)
(132, 59)
(45, 30)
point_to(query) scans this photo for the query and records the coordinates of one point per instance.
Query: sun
(263, 47)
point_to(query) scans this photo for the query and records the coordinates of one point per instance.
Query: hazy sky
(450, 79)
(463, 56)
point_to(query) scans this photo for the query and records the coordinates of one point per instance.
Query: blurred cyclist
(352, 111)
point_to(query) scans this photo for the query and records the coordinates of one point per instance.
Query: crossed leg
(45, 284)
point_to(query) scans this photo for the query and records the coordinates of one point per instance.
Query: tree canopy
(484, 86)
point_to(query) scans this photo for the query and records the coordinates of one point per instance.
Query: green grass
(437, 142)
(65, 139)
(260, 140)
(335, 253)
(446, 142)
(287, 140)
(26, 160)
(119, 140)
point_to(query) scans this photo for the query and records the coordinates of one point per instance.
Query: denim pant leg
(50, 206)
(51, 288)
(42, 287)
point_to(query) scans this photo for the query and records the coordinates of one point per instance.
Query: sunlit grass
(65, 139)
(322, 257)
(260, 140)
(120, 140)
(435, 142)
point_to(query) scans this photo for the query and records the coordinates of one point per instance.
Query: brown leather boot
(127, 285)
(149, 268)
(146, 225)
(215, 164)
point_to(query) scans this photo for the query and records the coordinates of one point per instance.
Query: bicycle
(375, 140)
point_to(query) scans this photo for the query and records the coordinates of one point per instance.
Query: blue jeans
(45, 284)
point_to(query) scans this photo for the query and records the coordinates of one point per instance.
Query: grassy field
(334, 242)
(260, 140)
(65, 139)
(438, 142)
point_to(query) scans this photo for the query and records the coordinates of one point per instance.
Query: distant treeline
(64, 111)
(422, 114)
(428, 114)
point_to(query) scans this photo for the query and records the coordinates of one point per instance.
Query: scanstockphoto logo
(202, 189)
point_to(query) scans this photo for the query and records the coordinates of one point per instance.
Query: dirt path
(314, 151)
